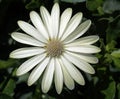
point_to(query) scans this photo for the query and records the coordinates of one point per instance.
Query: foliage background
(105, 16)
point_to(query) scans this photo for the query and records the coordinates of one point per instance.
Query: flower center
(54, 48)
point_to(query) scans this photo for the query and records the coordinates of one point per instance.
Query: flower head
(56, 49)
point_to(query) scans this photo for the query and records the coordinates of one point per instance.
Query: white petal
(29, 64)
(55, 13)
(65, 17)
(79, 31)
(86, 57)
(26, 39)
(58, 77)
(73, 71)
(26, 52)
(46, 19)
(29, 29)
(72, 25)
(84, 41)
(37, 72)
(83, 49)
(80, 63)
(36, 20)
(48, 76)
(68, 80)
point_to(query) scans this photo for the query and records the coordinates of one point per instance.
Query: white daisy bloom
(58, 51)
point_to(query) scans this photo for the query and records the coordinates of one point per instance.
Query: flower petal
(80, 63)
(72, 25)
(73, 71)
(36, 73)
(88, 49)
(30, 30)
(58, 77)
(26, 52)
(79, 31)
(36, 20)
(55, 13)
(48, 76)
(84, 41)
(86, 57)
(29, 64)
(68, 80)
(26, 39)
(65, 17)
(46, 19)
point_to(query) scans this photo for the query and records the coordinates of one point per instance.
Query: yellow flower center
(54, 48)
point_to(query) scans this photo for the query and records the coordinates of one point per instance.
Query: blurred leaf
(45, 96)
(111, 46)
(111, 5)
(26, 96)
(116, 53)
(110, 91)
(33, 4)
(100, 10)
(4, 96)
(113, 30)
(118, 88)
(93, 5)
(23, 78)
(73, 1)
(5, 64)
(95, 80)
(116, 62)
(9, 88)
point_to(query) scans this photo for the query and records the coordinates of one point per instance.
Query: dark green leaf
(5, 64)
(9, 88)
(93, 5)
(110, 91)
(113, 30)
(4, 96)
(111, 5)
(118, 88)
(47, 97)
(33, 4)
(73, 1)
(23, 78)
(27, 96)
(116, 62)
(110, 46)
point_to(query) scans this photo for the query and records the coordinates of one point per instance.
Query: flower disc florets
(54, 48)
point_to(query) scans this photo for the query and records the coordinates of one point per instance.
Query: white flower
(58, 51)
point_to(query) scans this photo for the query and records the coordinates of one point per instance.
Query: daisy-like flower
(56, 49)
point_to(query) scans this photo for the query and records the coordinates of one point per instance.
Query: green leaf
(110, 46)
(27, 96)
(33, 4)
(100, 10)
(110, 91)
(4, 96)
(116, 53)
(9, 88)
(23, 78)
(116, 62)
(95, 80)
(73, 1)
(118, 88)
(47, 97)
(111, 5)
(5, 64)
(113, 30)
(93, 5)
